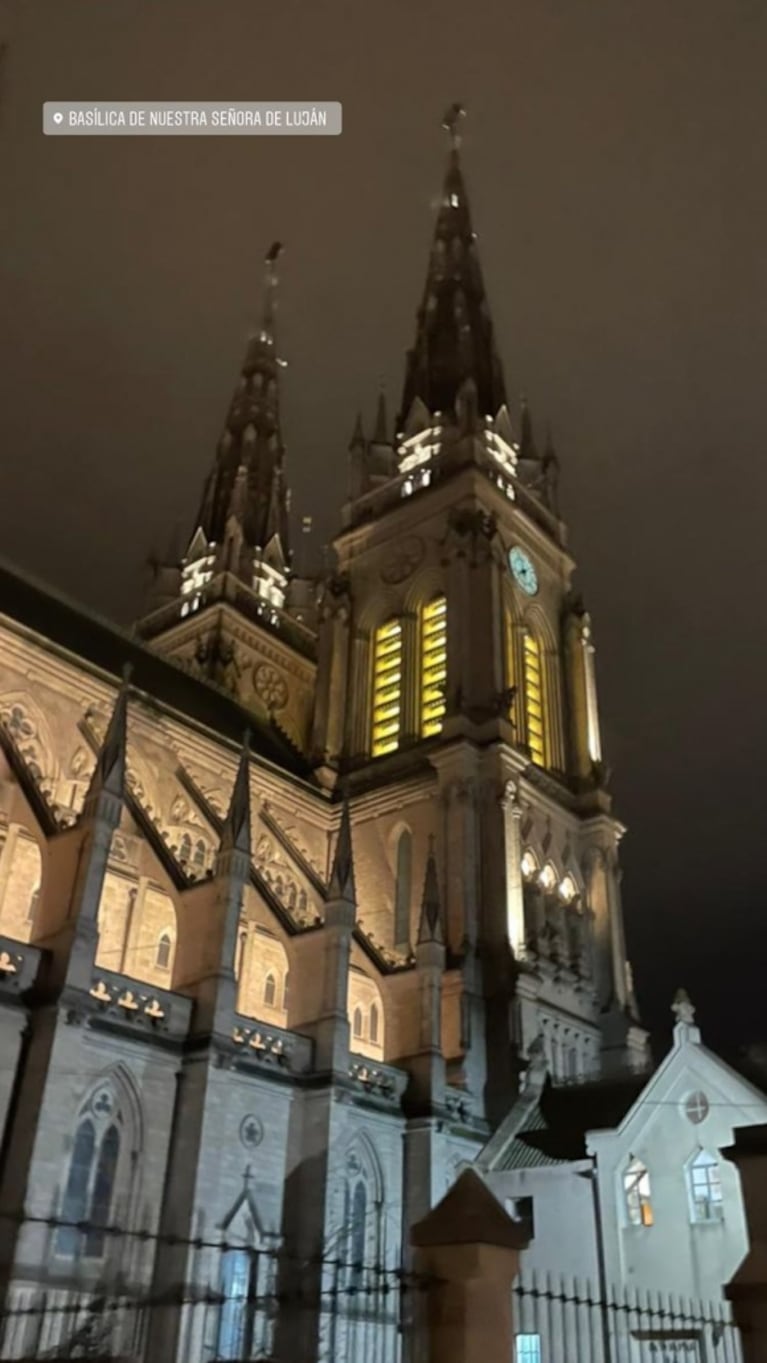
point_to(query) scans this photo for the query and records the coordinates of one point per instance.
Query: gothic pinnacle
(342, 876)
(110, 770)
(235, 834)
(430, 925)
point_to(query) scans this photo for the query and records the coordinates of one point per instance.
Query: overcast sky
(615, 157)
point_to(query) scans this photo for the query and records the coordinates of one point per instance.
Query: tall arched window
(636, 1190)
(433, 678)
(103, 1187)
(185, 848)
(387, 688)
(270, 990)
(705, 1188)
(231, 1340)
(535, 720)
(199, 853)
(510, 667)
(163, 951)
(357, 1022)
(403, 889)
(74, 1208)
(374, 1023)
(358, 1233)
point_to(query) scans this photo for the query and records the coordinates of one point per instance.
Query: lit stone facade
(261, 998)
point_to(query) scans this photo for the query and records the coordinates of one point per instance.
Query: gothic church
(298, 876)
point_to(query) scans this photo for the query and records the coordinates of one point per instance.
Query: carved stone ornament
(270, 686)
(251, 1131)
(404, 561)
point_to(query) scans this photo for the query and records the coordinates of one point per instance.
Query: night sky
(615, 157)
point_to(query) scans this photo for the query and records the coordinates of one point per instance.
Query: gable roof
(86, 636)
(553, 1129)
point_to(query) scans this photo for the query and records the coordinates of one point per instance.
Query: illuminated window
(529, 864)
(534, 709)
(705, 1188)
(568, 889)
(527, 1348)
(636, 1190)
(387, 687)
(548, 877)
(433, 665)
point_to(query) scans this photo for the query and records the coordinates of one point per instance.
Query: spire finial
(270, 289)
(451, 123)
(682, 1007)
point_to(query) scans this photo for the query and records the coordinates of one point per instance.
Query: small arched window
(403, 889)
(357, 1022)
(185, 848)
(163, 951)
(286, 990)
(374, 1023)
(705, 1188)
(199, 853)
(387, 688)
(270, 990)
(636, 1191)
(535, 717)
(242, 942)
(433, 665)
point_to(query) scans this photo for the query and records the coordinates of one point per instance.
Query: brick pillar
(466, 1256)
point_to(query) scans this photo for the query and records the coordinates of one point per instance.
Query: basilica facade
(299, 877)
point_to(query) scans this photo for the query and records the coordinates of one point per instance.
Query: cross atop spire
(454, 334)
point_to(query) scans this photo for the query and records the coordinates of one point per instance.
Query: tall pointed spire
(454, 334)
(235, 834)
(252, 440)
(342, 876)
(430, 925)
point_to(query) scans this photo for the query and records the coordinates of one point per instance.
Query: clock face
(523, 571)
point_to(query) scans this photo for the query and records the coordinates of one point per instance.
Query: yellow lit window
(433, 665)
(534, 708)
(387, 687)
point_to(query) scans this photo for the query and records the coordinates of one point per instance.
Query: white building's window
(705, 1188)
(636, 1190)
(528, 1349)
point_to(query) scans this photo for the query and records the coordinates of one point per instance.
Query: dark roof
(569, 1111)
(68, 627)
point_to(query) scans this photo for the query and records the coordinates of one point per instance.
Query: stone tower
(228, 608)
(456, 679)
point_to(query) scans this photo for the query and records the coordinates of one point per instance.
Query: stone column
(466, 1258)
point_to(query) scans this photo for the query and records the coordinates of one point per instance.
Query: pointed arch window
(185, 848)
(535, 716)
(387, 687)
(359, 1211)
(233, 1318)
(403, 888)
(374, 1023)
(433, 680)
(636, 1191)
(199, 853)
(103, 1188)
(75, 1205)
(162, 959)
(88, 1196)
(270, 990)
(357, 1022)
(705, 1188)
(286, 991)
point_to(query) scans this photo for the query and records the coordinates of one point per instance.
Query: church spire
(247, 482)
(454, 334)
